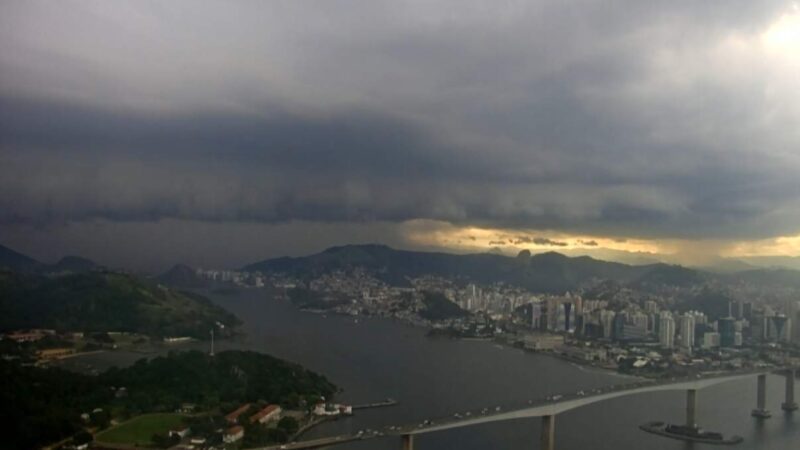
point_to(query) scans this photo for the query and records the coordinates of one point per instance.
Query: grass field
(140, 429)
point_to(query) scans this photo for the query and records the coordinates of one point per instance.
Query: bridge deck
(542, 408)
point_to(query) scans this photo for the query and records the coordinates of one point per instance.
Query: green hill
(105, 301)
(43, 405)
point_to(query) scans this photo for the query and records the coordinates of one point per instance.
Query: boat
(690, 434)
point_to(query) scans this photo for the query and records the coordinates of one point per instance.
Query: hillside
(44, 405)
(183, 276)
(769, 277)
(104, 301)
(547, 272)
(74, 264)
(13, 260)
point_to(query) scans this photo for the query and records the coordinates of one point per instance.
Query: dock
(387, 402)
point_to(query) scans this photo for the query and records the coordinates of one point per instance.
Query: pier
(387, 402)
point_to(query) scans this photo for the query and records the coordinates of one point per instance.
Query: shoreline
(580, 364)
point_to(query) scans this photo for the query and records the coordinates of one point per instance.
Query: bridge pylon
(691, 408)
(789, 404)
(548, 433)
(408, 441)
(761, 411)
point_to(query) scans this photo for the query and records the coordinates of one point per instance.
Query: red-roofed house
(233, 416)
(270, 412)
(233, 434)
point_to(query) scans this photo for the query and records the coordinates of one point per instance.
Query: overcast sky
(220, 133)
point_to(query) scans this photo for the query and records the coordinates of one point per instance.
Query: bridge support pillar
(548, 436)
(789, 404)
(691, 408)
(761, 400)
(408, 442)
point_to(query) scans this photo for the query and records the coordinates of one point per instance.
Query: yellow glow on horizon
(469, 239)
(779, 246)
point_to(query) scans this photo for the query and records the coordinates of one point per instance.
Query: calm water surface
(372, 359)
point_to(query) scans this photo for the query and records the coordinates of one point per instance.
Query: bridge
(547, 409)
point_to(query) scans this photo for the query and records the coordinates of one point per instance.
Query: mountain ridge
(545, 272)
(102, 301)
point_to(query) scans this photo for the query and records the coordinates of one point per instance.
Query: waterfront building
(687, 332)
(666, 331)
(542, 342)
(268, 414)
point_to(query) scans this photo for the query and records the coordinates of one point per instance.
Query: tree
(165, 440)
(277, 435)
(100, 419)
(289, 425)
(82, 437)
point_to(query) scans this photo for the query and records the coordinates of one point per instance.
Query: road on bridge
(551, 405)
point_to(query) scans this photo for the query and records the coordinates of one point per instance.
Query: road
(552, 405)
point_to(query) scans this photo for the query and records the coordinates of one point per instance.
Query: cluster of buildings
(647, 334)
(614, 318)
(235, 432)
(238, 278)
(332, 409)
(648, 321)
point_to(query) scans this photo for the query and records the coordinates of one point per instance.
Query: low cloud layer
(671, 121)
(538, 240)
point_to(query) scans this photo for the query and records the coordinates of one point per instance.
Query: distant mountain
(12, 260)
(17, 262)
(787, 262)
(670, 275)
(768, 277)
(727, 265)
(104, 301)
(181, 275)
(74, 264)
(546, 272)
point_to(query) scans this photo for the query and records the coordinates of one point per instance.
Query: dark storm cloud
(624, 119)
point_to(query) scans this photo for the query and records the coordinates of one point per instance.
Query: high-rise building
(567, 313)
(747, 310)
(727, 332)
(793, 313)
(738, 312)
(618, 332)
(779, 328)
(638, 319)
(711, 340)
(536, 315)
(687, 332)
(666, 331)
(607, 322)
